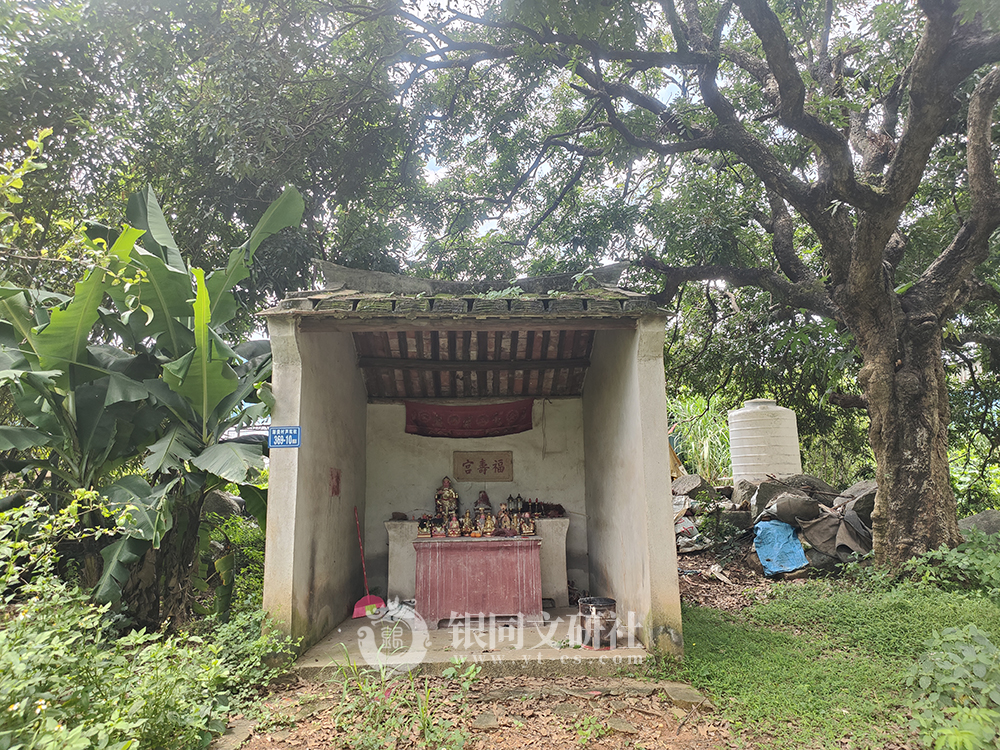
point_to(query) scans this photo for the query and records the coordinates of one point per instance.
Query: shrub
(66, 682)
(956, 690)
(973, 565)
(254, 653)
(246, 539)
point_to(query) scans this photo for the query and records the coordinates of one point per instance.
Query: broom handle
(364, 572)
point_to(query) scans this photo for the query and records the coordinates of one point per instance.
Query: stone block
(988, 522)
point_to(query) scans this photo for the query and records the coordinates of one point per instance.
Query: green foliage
(66, 680)
(788, 690)
(890, 623)
(972, 566)
(820, 662)
(254, 653)
(589, 728)
(380, 707)
(464, 675)
(217, 106)
(956, 690)
(172, 385)
(703, 436)
(245, 540)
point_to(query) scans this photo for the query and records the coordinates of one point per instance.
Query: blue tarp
(778, 548)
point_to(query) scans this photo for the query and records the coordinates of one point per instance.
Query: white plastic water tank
(763, 439)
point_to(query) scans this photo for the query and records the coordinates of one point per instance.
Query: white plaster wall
(631, 543)
(318, 386)
(404, 471)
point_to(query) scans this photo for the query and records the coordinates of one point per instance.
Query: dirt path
(509, 713)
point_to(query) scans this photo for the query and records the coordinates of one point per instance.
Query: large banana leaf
(201, 377)
(22, 438)
(231, 461)
(15, 310)
(256, 503)
(142, 512)
(220, 284)
(167, 292)
(62, 344)
(170, 451)
(285, 212)
(118, 556)
(34, 406)
(95, 423)
(144, 212)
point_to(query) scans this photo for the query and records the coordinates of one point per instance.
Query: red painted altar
(462, 577)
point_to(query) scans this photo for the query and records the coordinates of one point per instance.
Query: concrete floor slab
(499, 647)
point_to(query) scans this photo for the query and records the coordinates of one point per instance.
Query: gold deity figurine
(454, 526)
(445, 500)
(467, 524)
(489, 526)
(527, 525)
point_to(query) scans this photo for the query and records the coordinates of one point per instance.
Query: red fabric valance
(482, 420)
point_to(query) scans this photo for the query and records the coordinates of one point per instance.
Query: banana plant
(166, 389)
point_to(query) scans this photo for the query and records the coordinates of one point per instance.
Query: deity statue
(454, 526)
(438, 527)
(527, 525)
(424, 527)
(467, 523)
(504, 521)
(489, 526)
(445, 500)
(483, 503)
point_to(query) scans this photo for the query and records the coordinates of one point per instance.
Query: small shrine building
(397, 382)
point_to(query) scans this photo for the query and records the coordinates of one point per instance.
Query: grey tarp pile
(830, 527)
(833, 527)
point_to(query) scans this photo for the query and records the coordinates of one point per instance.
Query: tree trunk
(179, 560)
(904, 381)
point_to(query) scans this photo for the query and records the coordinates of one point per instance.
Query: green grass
(820, 663)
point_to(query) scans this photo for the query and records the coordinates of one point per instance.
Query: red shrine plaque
(462, 577)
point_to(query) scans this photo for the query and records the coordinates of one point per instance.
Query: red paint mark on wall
(335, 482)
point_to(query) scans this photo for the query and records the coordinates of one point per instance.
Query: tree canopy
(836, 155)
(813, 175)
(217, 106)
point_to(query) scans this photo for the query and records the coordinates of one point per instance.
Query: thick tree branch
(783, 240)
(941, 285)
(848, 400)
(792, 91)
(981, 291)
(811, 297)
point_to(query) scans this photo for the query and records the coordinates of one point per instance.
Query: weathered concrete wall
(316, 385)
(404, 471)
(630, 534)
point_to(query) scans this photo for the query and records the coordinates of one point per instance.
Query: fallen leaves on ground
(699, 586)
(510, 713)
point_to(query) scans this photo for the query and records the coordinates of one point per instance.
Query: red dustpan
(367, 604)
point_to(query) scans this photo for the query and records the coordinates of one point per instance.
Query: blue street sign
(284, 437)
